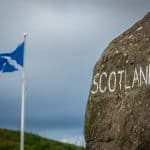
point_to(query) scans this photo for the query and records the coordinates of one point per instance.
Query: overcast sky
(65, 39)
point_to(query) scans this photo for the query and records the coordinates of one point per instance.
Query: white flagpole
(23, 102)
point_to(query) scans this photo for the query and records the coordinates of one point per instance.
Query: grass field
(9, 140)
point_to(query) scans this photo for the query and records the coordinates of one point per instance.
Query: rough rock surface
(118, 109)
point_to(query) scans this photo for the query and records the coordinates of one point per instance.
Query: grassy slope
(9, 140)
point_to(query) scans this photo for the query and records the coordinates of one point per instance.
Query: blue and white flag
(13, 61)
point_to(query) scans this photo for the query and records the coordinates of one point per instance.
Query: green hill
(9, 140)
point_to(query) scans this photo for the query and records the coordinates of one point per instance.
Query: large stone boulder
(118, 109)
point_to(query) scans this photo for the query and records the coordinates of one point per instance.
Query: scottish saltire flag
(13, 61)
